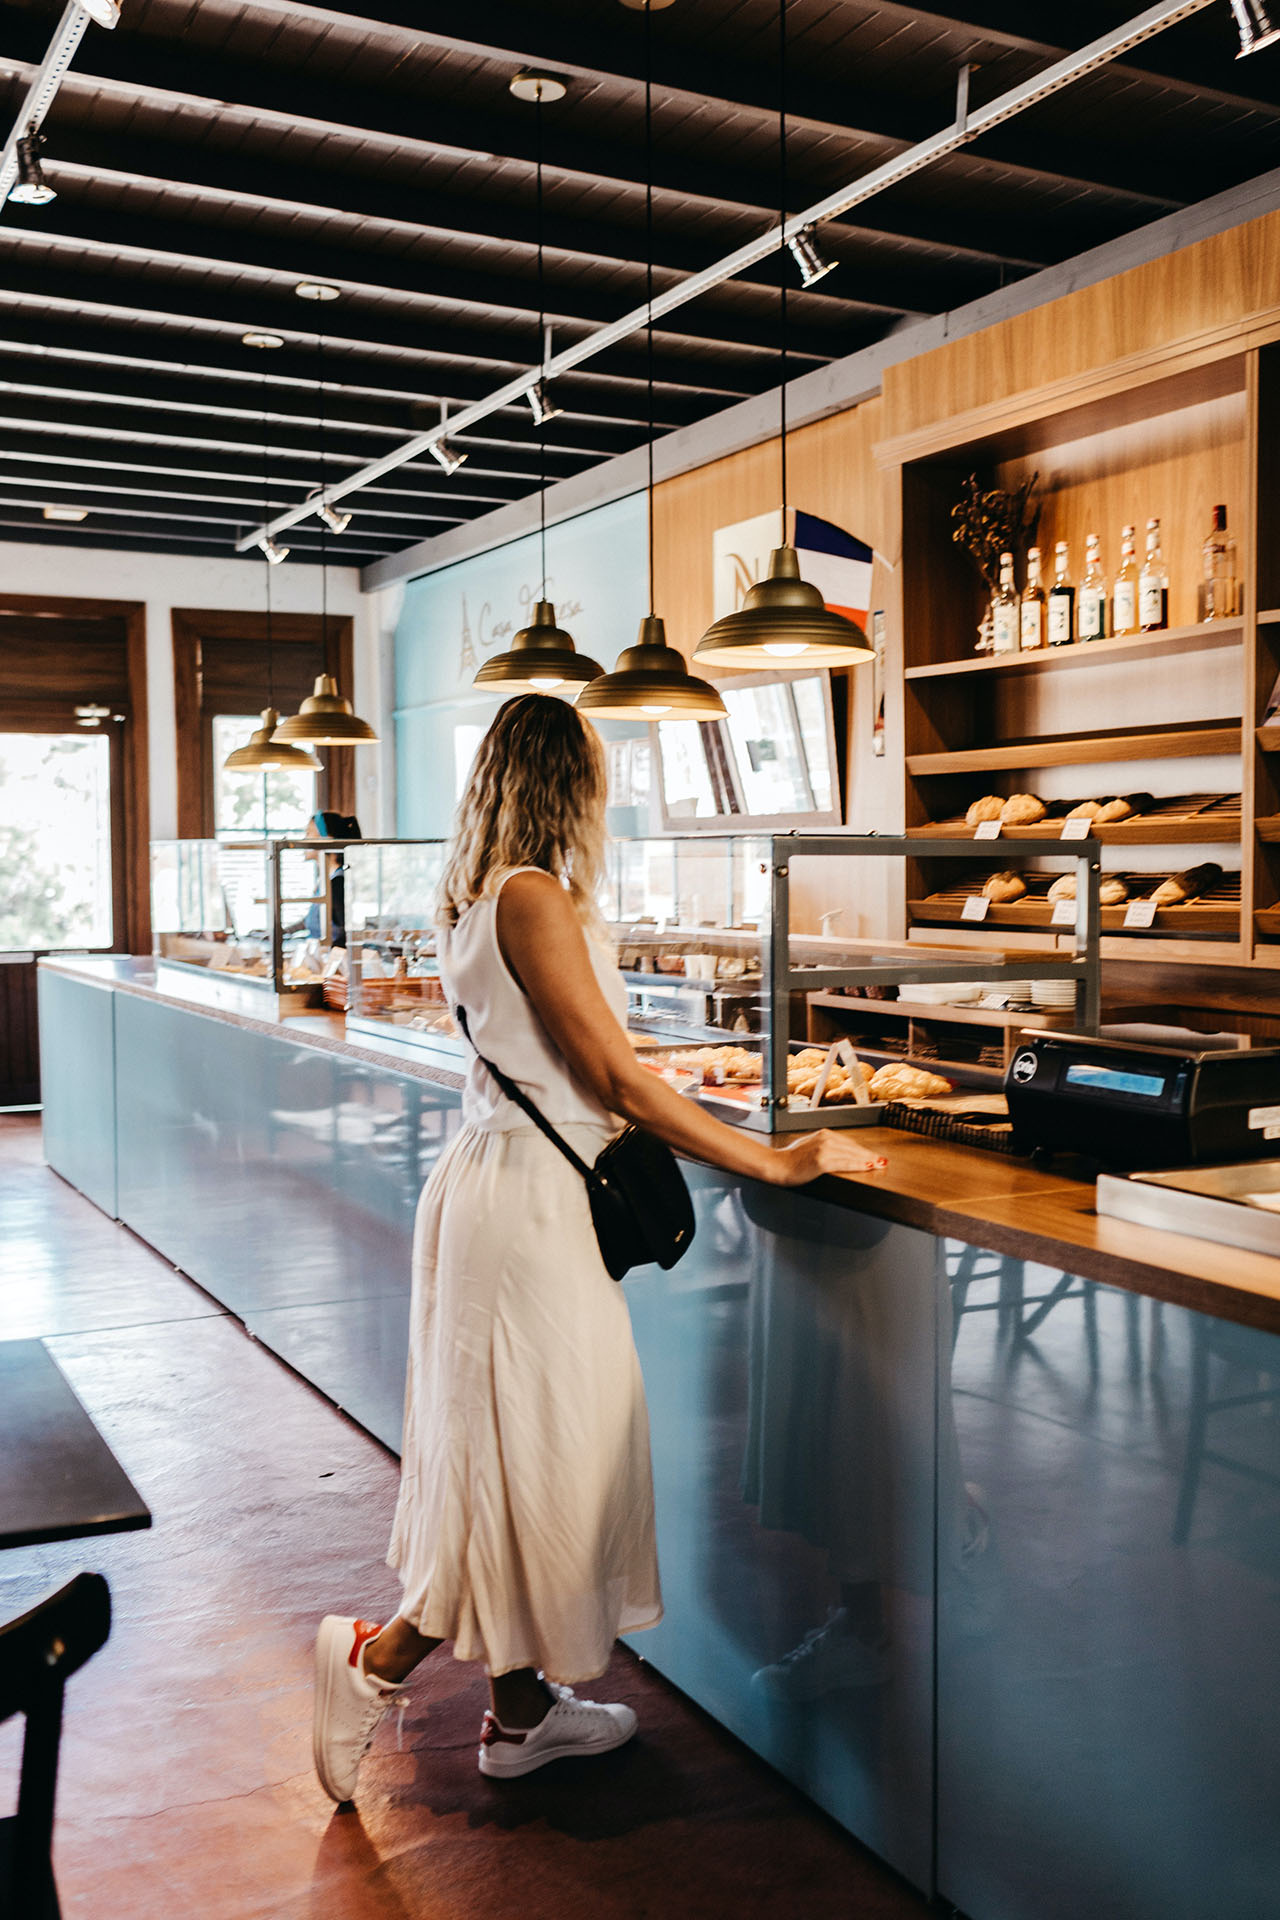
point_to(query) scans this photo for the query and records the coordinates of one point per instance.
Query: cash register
(1140, 1104)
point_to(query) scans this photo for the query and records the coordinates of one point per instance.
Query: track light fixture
(1255, 25)
(813, 267)
(326, 511)
(105, 12)
(274, 553)
(440, 450)
(31, 189)
(541, 405)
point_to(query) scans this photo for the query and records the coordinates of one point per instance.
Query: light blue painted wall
(453, 620)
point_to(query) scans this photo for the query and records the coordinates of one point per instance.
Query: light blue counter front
(984, 1556)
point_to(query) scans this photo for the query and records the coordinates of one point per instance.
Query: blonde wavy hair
(535, 797)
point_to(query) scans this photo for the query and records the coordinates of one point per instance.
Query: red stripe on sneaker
(364, 1630)
(492, 1731)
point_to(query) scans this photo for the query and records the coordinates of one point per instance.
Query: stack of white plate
(944, 993)
(1053, 996)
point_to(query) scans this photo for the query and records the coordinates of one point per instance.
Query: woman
(524, 1527)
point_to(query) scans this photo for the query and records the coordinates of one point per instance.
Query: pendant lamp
(325, 718)
(542, 657)
(650, 679)
(260, 754)
(783, 617)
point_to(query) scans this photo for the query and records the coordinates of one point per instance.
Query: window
(55, 841)
(255, 806)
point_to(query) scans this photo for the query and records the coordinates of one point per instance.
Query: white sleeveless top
(507, 1030)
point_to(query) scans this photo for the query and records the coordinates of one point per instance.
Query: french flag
(835, 563)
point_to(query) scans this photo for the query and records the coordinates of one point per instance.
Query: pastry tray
(1217, 911)
(1181, 817)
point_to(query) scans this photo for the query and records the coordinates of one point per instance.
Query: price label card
(1075, 830)
(1140, 913)
(975, 907)
(1064, 913)
(987, 830)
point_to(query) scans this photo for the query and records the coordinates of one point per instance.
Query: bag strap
(521, 1099)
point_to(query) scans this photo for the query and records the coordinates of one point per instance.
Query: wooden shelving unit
(1092, 653)
(923, 1034)
(1123, 447)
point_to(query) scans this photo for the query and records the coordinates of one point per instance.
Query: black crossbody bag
(640, 1205)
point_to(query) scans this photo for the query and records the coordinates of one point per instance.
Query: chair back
(39, 1651)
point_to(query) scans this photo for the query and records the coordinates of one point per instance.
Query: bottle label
(1032, 625)
(1005, 621)
(1151, 603)
(1092, 613)
(1059, 619)
(1125, 606)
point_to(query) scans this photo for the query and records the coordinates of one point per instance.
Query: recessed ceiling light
(538, 87)
(316, 290)
(105, 12)
(65, 513)
(253, 339)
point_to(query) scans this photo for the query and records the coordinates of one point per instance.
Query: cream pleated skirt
(524, 1528)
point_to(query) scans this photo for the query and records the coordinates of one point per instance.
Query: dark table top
(58, 1477)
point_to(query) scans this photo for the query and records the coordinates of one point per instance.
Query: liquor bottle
(1004, 609)
(1124, 591)
(1062, 600)
(1219, 595)
(1153, 584)
(1032, 624)
(1091, 623)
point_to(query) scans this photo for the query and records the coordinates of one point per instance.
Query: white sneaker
(572, 1729)
(349, 1703)
(830, 1659)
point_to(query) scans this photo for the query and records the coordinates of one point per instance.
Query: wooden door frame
(135, 766)
(191, 625)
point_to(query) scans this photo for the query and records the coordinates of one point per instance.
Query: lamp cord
(648, 250)
(266, 517)
(782, 248)
(324, 525)
(541, 359)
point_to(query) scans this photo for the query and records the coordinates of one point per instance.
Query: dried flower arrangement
(992, 521)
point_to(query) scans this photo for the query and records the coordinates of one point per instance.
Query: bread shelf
(1192, 819)
(1218, 912)
(1269, 737)
(1270, 618)
(1267, 826)
(962, 1015)
(1089, 653)
(1084, 749)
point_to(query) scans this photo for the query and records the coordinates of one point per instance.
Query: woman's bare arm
(543, 943)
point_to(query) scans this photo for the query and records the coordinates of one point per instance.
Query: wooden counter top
(1008, 1206)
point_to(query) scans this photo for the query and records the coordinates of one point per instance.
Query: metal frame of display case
(372, 1025)
(889, 964)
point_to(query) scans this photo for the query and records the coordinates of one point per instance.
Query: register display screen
(1146, 1086)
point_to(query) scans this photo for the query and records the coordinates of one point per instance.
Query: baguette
(1181, 887)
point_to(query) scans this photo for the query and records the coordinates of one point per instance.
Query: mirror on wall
(770, 761)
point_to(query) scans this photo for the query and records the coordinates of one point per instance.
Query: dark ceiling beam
(130, 295)
(284, 95)
(47, 484)
(103, 387)
(189, 386)
(733, 313)
(323, 191)
(63, 453)
(120, 538)
(212, 516)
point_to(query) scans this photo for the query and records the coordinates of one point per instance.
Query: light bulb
(545, 685)
(785, 649)
(655, 710)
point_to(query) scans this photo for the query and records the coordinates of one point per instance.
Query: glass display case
(252, 925)
(742, 990)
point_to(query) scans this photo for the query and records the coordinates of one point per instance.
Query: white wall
(165, 581)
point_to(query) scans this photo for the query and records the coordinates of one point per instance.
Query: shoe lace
(373, 1714)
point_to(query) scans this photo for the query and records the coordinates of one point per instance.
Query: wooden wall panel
(1215, 286)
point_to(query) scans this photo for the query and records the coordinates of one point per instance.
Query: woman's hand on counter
(818, 1153)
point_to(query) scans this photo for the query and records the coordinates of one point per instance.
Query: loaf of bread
(1087, 810)
(1180, 887)
(1117, 809)
(901, 1082)
(1005, 886)
(1110, 893)
(1022, 810)
(989, 807)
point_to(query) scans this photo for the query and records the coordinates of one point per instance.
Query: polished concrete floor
(186, 1786)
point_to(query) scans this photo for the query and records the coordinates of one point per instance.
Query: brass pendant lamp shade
(784, 618)
(262, 754)
(652, 679)
(325, 719)
(542, 659)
